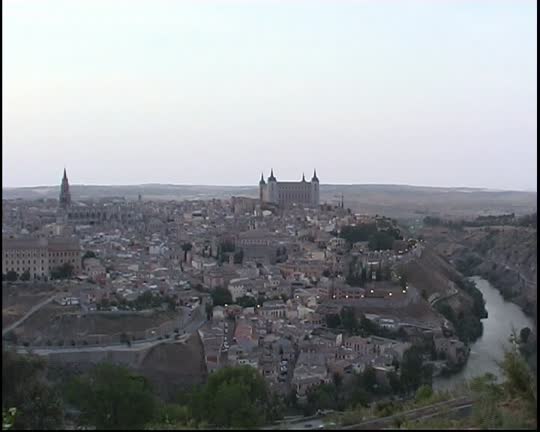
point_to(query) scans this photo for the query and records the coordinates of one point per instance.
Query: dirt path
(27, 315)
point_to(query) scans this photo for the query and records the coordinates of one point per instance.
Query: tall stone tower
(65, 195)
(262, 188)
(315, 189)
(272, 188)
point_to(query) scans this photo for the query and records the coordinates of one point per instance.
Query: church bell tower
(65, 195)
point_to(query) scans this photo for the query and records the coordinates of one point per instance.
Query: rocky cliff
(504, 255)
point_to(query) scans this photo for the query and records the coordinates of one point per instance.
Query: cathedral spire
(303, 177)
(65, 195)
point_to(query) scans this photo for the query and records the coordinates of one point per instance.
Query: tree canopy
(413, 371)
(112, 397)
(89, 254)
(221, 297)
(25, 276)
(356, 233)
(381, 240)
(233, 397)
(246, 301)
(12, 276)
(24, 387)
(65, 271)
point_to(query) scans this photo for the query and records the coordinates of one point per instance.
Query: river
(489, 348)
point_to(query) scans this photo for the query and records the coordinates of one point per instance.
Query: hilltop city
(305, 293)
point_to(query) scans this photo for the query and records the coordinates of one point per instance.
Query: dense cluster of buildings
(285, 273)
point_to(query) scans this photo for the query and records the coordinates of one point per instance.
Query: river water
(502, 317)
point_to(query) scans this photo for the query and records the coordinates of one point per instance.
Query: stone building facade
(284, 194)
(39, 256)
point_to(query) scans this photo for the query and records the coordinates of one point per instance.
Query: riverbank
(503, 318)
(506, 256)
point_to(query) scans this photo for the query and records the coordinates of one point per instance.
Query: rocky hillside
(504, 255)
(458, 300)
(172, 368)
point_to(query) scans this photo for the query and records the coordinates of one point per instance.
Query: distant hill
(400, 201)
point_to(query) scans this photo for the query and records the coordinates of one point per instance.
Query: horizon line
(489, 189)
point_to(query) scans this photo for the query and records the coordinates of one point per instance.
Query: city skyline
(211, 93)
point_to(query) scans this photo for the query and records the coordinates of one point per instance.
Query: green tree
(411, 369)
(348, 320)
(333, 321)
(112, 397)
(424, 392)
(520, 381)
(186, 247)
(25, 276)
(381, 240)
(25, 387)
(359, 397)
(356, 233)
(65, 271)
(292, 398)
(368, 380)
(246, 301)
(324, 396)
(524, 334)
(221, 297)
(394, 382)
(12, 276)
(8, 418)
(171, 416)
(89, 254)
(235, 397)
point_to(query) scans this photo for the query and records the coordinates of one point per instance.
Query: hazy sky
(432, 92)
